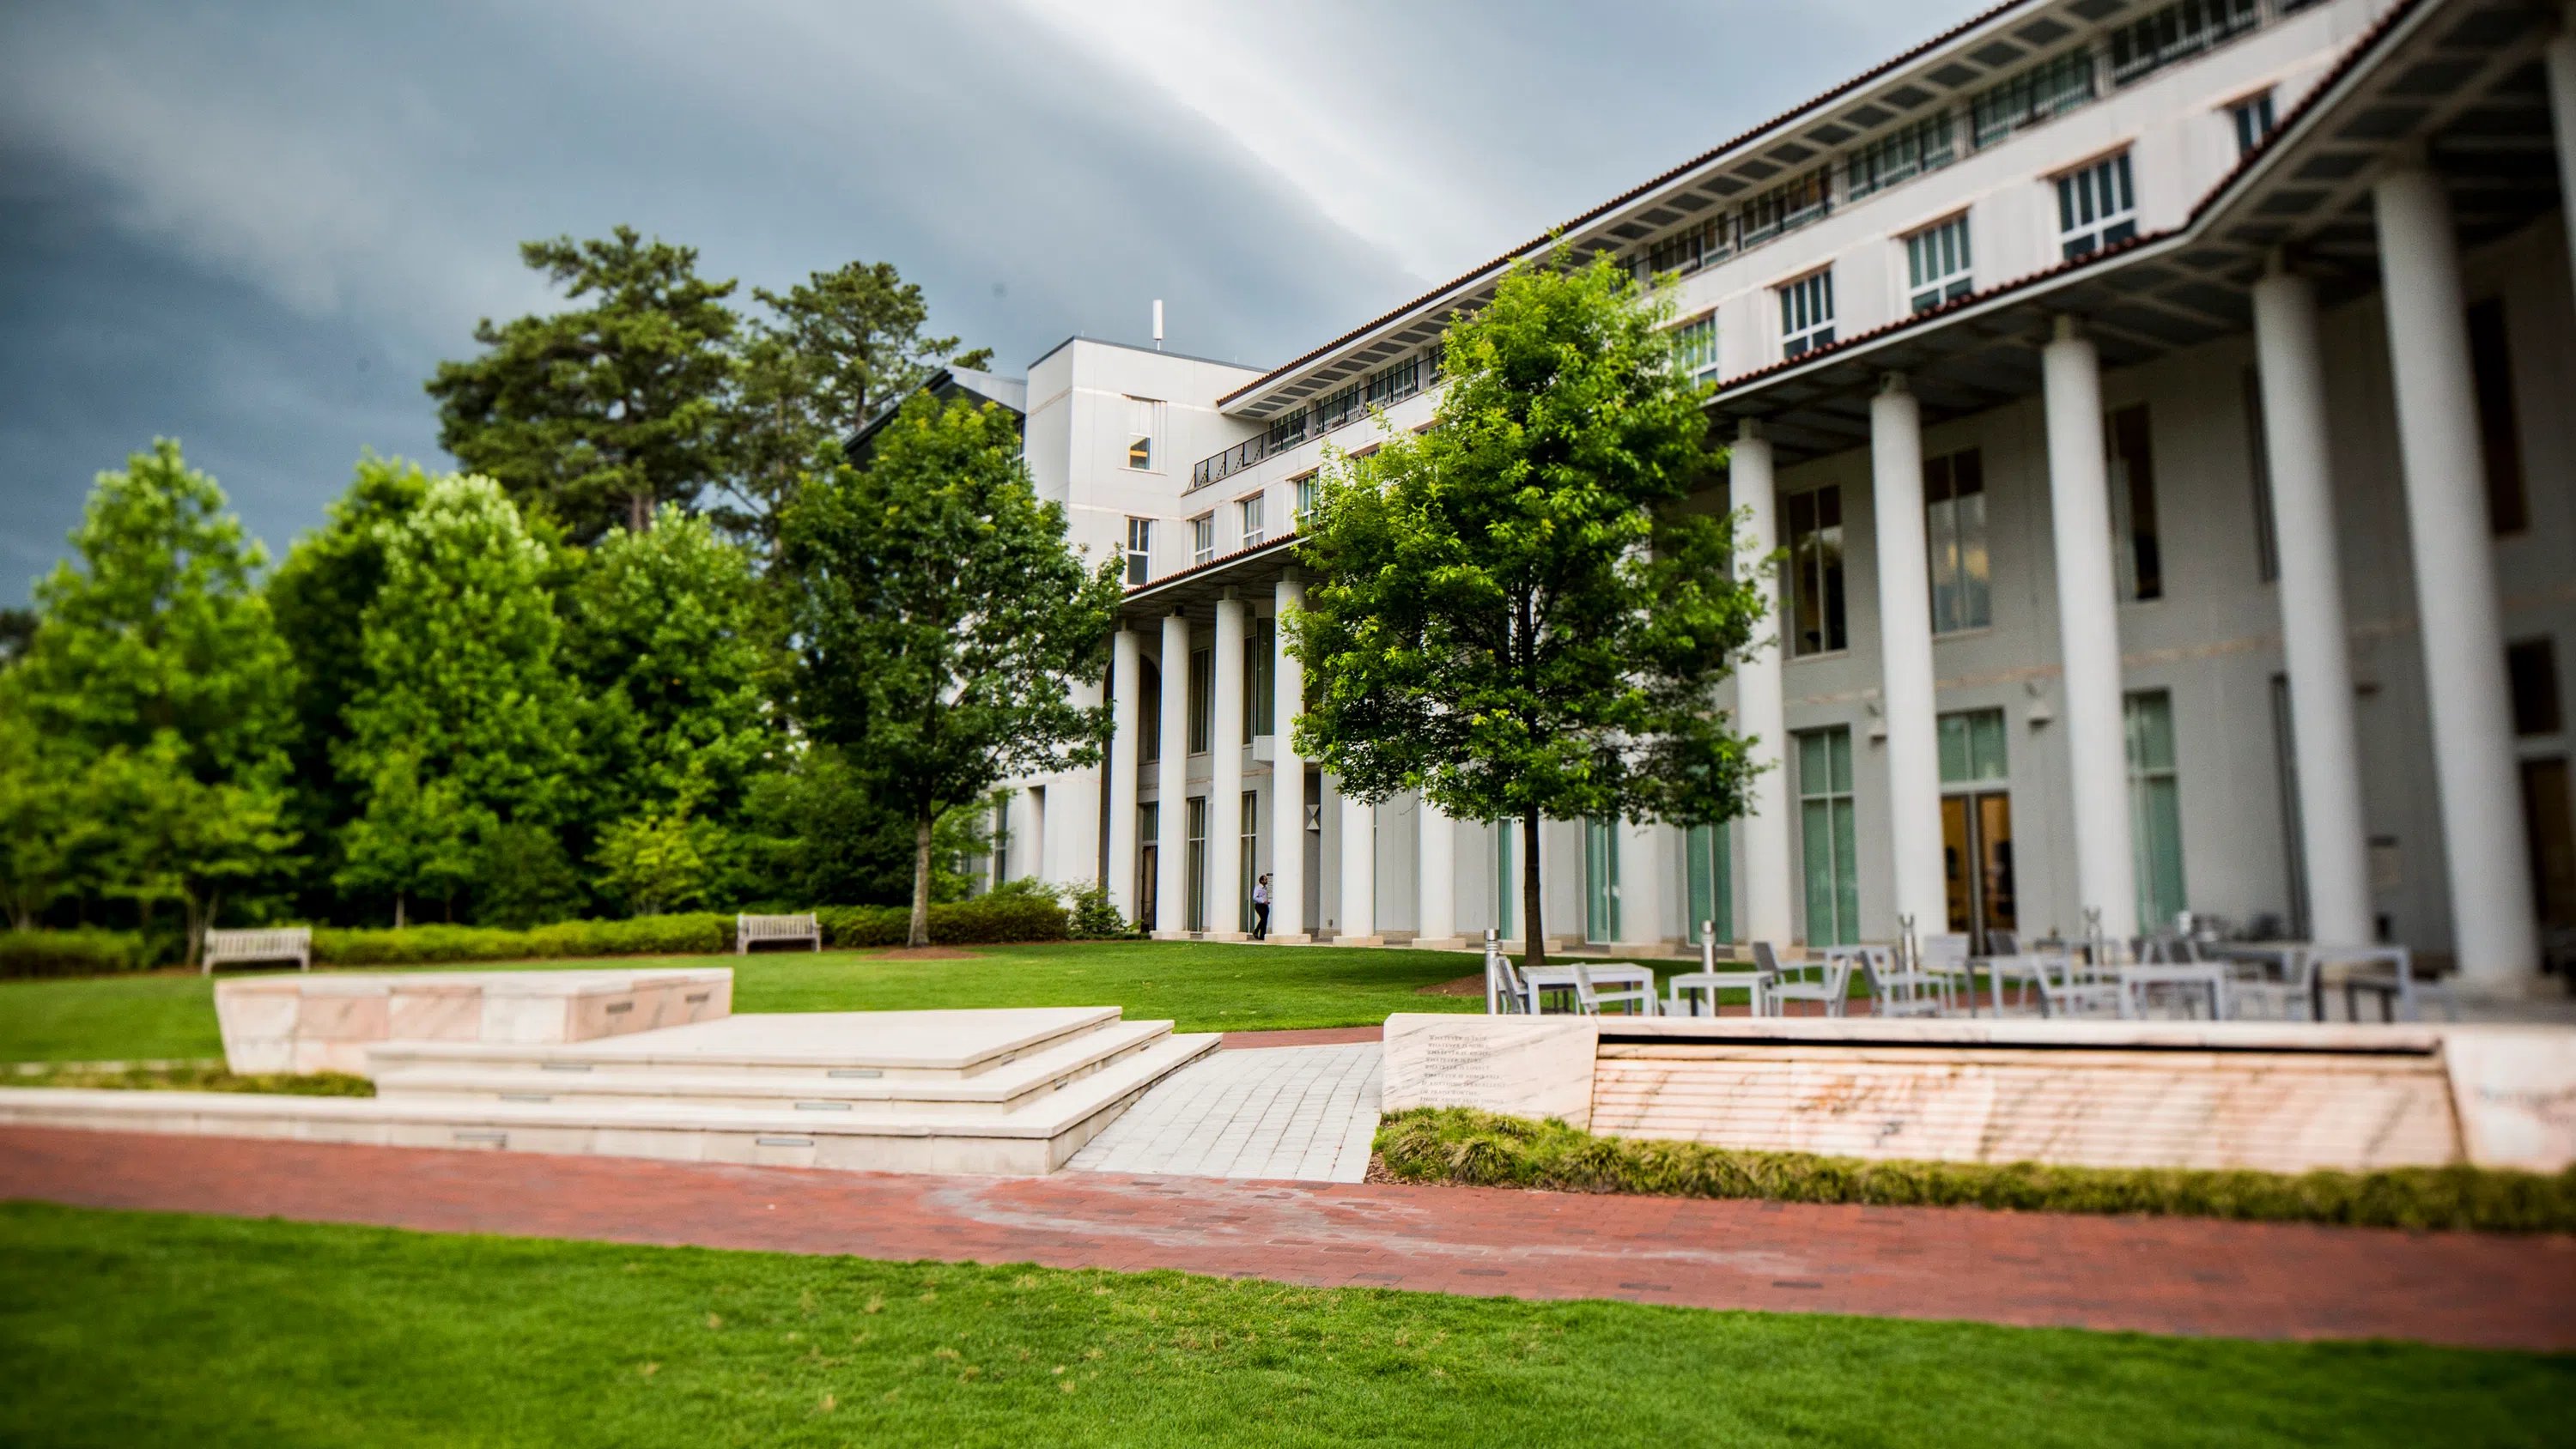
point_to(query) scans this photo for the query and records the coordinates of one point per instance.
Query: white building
(2169, 411)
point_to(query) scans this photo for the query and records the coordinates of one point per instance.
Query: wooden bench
(225, 948)
(748, 929)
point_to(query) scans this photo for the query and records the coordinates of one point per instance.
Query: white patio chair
(2387, 972)
(1823, 981)
(2068, 989)
(1589, 999)
(1898, 991)
(2254, 994)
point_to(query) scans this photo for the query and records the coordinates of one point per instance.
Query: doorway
(1976, 851)
(1149, 854)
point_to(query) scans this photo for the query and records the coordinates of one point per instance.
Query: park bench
(749, 929)
(225, 948)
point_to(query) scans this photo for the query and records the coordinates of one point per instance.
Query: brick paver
(2153, 1275)
(1306, 1113)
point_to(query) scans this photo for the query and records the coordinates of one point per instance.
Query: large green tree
(1517, 615)
(156, 675)
(941, 621)
(832, 351)
(605, 412)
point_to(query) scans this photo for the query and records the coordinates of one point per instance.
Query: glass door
(1976, 850)
(1149, 853)
(1601, 880)
(1707, 858)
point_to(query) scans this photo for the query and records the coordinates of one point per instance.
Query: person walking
(1261, 909)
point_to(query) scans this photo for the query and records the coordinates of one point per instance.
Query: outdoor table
(2210, 974)
(1561, 978)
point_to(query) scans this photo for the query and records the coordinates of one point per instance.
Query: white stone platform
(998, 1092)
(328, 1021)
(1300, 1114)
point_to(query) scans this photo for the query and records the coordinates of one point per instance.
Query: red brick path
(2158, 1276)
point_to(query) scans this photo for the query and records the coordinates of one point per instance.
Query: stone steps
(931, 1046)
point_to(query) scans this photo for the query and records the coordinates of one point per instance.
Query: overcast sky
(258, 232)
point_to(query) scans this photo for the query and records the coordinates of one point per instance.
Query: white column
(1287, 776)
(1172, 781)
(2492, 922)
(1127, 692)
(1642, 872)
(1436, 889)
(2088, 631)
(1759, 705)
(2561, 56)
(1225, 773)
(2333, 840)
(1905, 656)
(1359, 874)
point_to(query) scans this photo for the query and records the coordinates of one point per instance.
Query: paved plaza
(1289, 1113)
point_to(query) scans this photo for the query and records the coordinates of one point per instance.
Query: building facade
(2165, 412)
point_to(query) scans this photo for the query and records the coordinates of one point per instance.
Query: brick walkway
(1303, 1113)
(2156, 1276)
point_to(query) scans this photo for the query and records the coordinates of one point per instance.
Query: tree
(825, 838)
(941, 621)
(463, 700)
(157, 677)
(844, 343)
(653, 860)
(603, 413)
(412, 840)
(1516, 617)
(41, 826)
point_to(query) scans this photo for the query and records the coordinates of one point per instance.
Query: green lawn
(1204, 987)
(141, 1329)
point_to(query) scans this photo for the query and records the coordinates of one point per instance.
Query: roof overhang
(1194, 592)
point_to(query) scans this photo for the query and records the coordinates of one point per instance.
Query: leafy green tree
(413, 840)
(601, 413)
(652, 861)
(527, 878)
(822, 837)
(17, 631)
(158, 675)
(1517, 618)
(42, 828)
(462, 678)
(941, 620)
(834, 349)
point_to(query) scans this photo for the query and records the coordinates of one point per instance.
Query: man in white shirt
(1261, 909)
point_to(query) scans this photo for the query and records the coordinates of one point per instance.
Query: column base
(1285, 938)
(1222, 936)
(1439, 943)
(1173, 936)
(1347, 940)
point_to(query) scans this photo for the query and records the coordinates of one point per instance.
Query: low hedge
(84, 952)
(985, 922)
(195, 1079)
(698, 933)
(1481, 1149)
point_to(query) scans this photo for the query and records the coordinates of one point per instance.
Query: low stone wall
(327, 1022)
(2265, 1096)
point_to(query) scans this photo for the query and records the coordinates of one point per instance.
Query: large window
(1248, 513)
(2097, 207)
(2047, 89)
(2531, 669)
(1202, 699)
(1937, 264)
(1786, 206)
(1600, 880)
(1815, 603)
(1260, 701)
(2175, 32)
(1954, 525)
(1695, 348)
(1247, 860)
(1149, 712)
(1972, 747)
(1901, 155)
(1194, 866)
(2491, 366)
(1507, 879)
(1143, 415)
(1708, 869)
(2252, 120)
(1140, 551)
(1307, 488)
(2155, 809)
(1689, 249)
(1202, 539)
(1828, 837)
(2135, 548)
(1807, 314)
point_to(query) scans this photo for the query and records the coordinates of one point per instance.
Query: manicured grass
(1204, 987)
(140, 1329)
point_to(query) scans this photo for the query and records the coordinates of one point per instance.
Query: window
(1149, 712)
(2258, 453)
(1248, 860)
(1787, 206)
(1140, 551)
(2096, 207)
(1202, 699)
(1600, 880)
(1248, 519)
(1695, 348)
(1815, 603)
(1972, 747)
(2252, 118)
(2049, 89)
(1936, 264)
(1710, 871)
(2155, 809)
(1954, 525)
(1194, 866)
(1142, 414)
(1903, 154)
(2491, 365)
(1828, 839)
(1807, 314)
(1149, 851)
(2176, 32)
(2532, 666)
(1202, 539)
(1260, 695)
(2549, 824)
(1307, 488)
(2133, 507)
(1690, 249)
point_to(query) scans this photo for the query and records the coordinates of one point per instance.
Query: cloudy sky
(257, 227)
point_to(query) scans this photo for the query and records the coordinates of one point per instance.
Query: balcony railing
(1383, 388)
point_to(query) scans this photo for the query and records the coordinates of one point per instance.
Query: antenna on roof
(1158, 324)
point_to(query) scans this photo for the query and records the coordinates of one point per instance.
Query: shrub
(699, 933)
(1482, 1149)
(987, 920)
(84, 952)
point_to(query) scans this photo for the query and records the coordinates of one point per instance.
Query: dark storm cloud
(257, 228)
